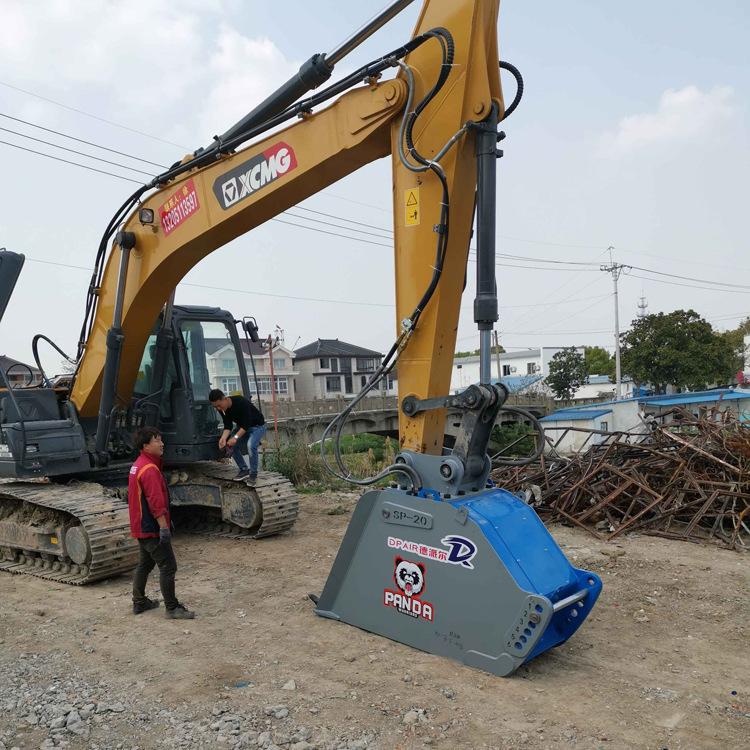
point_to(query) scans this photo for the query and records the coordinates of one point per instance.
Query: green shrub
(363, 455)
(503, 438)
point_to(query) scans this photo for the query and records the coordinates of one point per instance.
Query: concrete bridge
(307, 420)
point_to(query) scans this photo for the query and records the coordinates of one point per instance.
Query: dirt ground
(662, 662)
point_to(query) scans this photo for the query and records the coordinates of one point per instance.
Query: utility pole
(497, 354)
(616, 269)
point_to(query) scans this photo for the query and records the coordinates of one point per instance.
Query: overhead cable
(80, 140)
(94, 117)
(75, 164)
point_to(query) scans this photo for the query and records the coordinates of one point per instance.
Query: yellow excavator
(440, 559)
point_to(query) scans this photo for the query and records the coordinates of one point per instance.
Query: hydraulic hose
(519, 86)
(539, 443)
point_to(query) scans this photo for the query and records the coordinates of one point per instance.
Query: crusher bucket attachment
(458, 570)
(479, 580)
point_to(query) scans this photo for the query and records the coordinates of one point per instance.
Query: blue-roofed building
(698, 401)
(570, 429)
(570, 426)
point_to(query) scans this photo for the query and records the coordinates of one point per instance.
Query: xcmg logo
(248, 178)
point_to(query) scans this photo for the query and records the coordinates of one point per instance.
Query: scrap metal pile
(687, 478)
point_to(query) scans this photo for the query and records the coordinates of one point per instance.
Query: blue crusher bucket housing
(478, 579)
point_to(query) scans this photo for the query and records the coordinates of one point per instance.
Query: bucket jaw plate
(479, 579)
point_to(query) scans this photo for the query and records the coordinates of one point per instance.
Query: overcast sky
(633, 133)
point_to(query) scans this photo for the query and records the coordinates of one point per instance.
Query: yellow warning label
(411, 201)
(53, 539)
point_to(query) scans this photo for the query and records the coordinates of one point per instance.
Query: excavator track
(273, 498)
(75, 533)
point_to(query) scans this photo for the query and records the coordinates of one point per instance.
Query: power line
(75, 164)
(306, 299)
(80, 140)
(94, 117)
(688, 286)
(329, 224)
(288, 296)
(332, 195)
(341, 218)
(524, 259)
(333, 234)
(73, 151)
(359, 203)
(224, 289)
(680, 260)
(688, 278)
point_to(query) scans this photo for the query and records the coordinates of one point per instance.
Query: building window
(391, 383)
(334, 365)
(506, 370)
(228, 364)
(279, 363)
(282, 386)
(363, 380)
(264, 386)
(325, 363)
(229, 385)
(348, 383)
(604, 427)
(530, 368)
(333, 384)
(365, 365)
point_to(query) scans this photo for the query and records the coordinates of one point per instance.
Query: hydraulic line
(539, 443)
(519, 90)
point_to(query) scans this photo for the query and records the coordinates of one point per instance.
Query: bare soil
(662, 662)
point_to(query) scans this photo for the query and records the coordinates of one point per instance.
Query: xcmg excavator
(440, 560)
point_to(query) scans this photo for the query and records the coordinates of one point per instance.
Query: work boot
(180, 612)
(140, 608)
(251, 479)
(242, 475)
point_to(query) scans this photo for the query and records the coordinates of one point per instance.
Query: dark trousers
(155, 553)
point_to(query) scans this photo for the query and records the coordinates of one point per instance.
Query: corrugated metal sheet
(565, 415)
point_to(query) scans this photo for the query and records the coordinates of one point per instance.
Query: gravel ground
(662, 662)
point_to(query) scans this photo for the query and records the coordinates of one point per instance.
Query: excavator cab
(198, 350)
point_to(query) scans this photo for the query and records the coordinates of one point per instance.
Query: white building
(223, 369)
(527, 364)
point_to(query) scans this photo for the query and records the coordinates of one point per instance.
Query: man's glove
(165, 536)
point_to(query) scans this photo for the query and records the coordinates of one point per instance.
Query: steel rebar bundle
(687, 478)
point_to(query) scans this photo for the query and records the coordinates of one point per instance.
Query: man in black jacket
(246, 436)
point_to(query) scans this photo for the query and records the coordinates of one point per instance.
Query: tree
(678, 348)
(494, 350)
(567, 373)
(736, 340)
(598, 361)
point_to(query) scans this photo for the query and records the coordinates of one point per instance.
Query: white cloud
(176, 72)
(682, 116)
(245, 72)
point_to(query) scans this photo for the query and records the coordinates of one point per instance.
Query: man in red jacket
(150, 524)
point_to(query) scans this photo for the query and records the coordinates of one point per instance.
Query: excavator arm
(208, 206)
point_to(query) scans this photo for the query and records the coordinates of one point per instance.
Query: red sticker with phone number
(179, 207)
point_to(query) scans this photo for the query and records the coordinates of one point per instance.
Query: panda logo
(409, 577)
